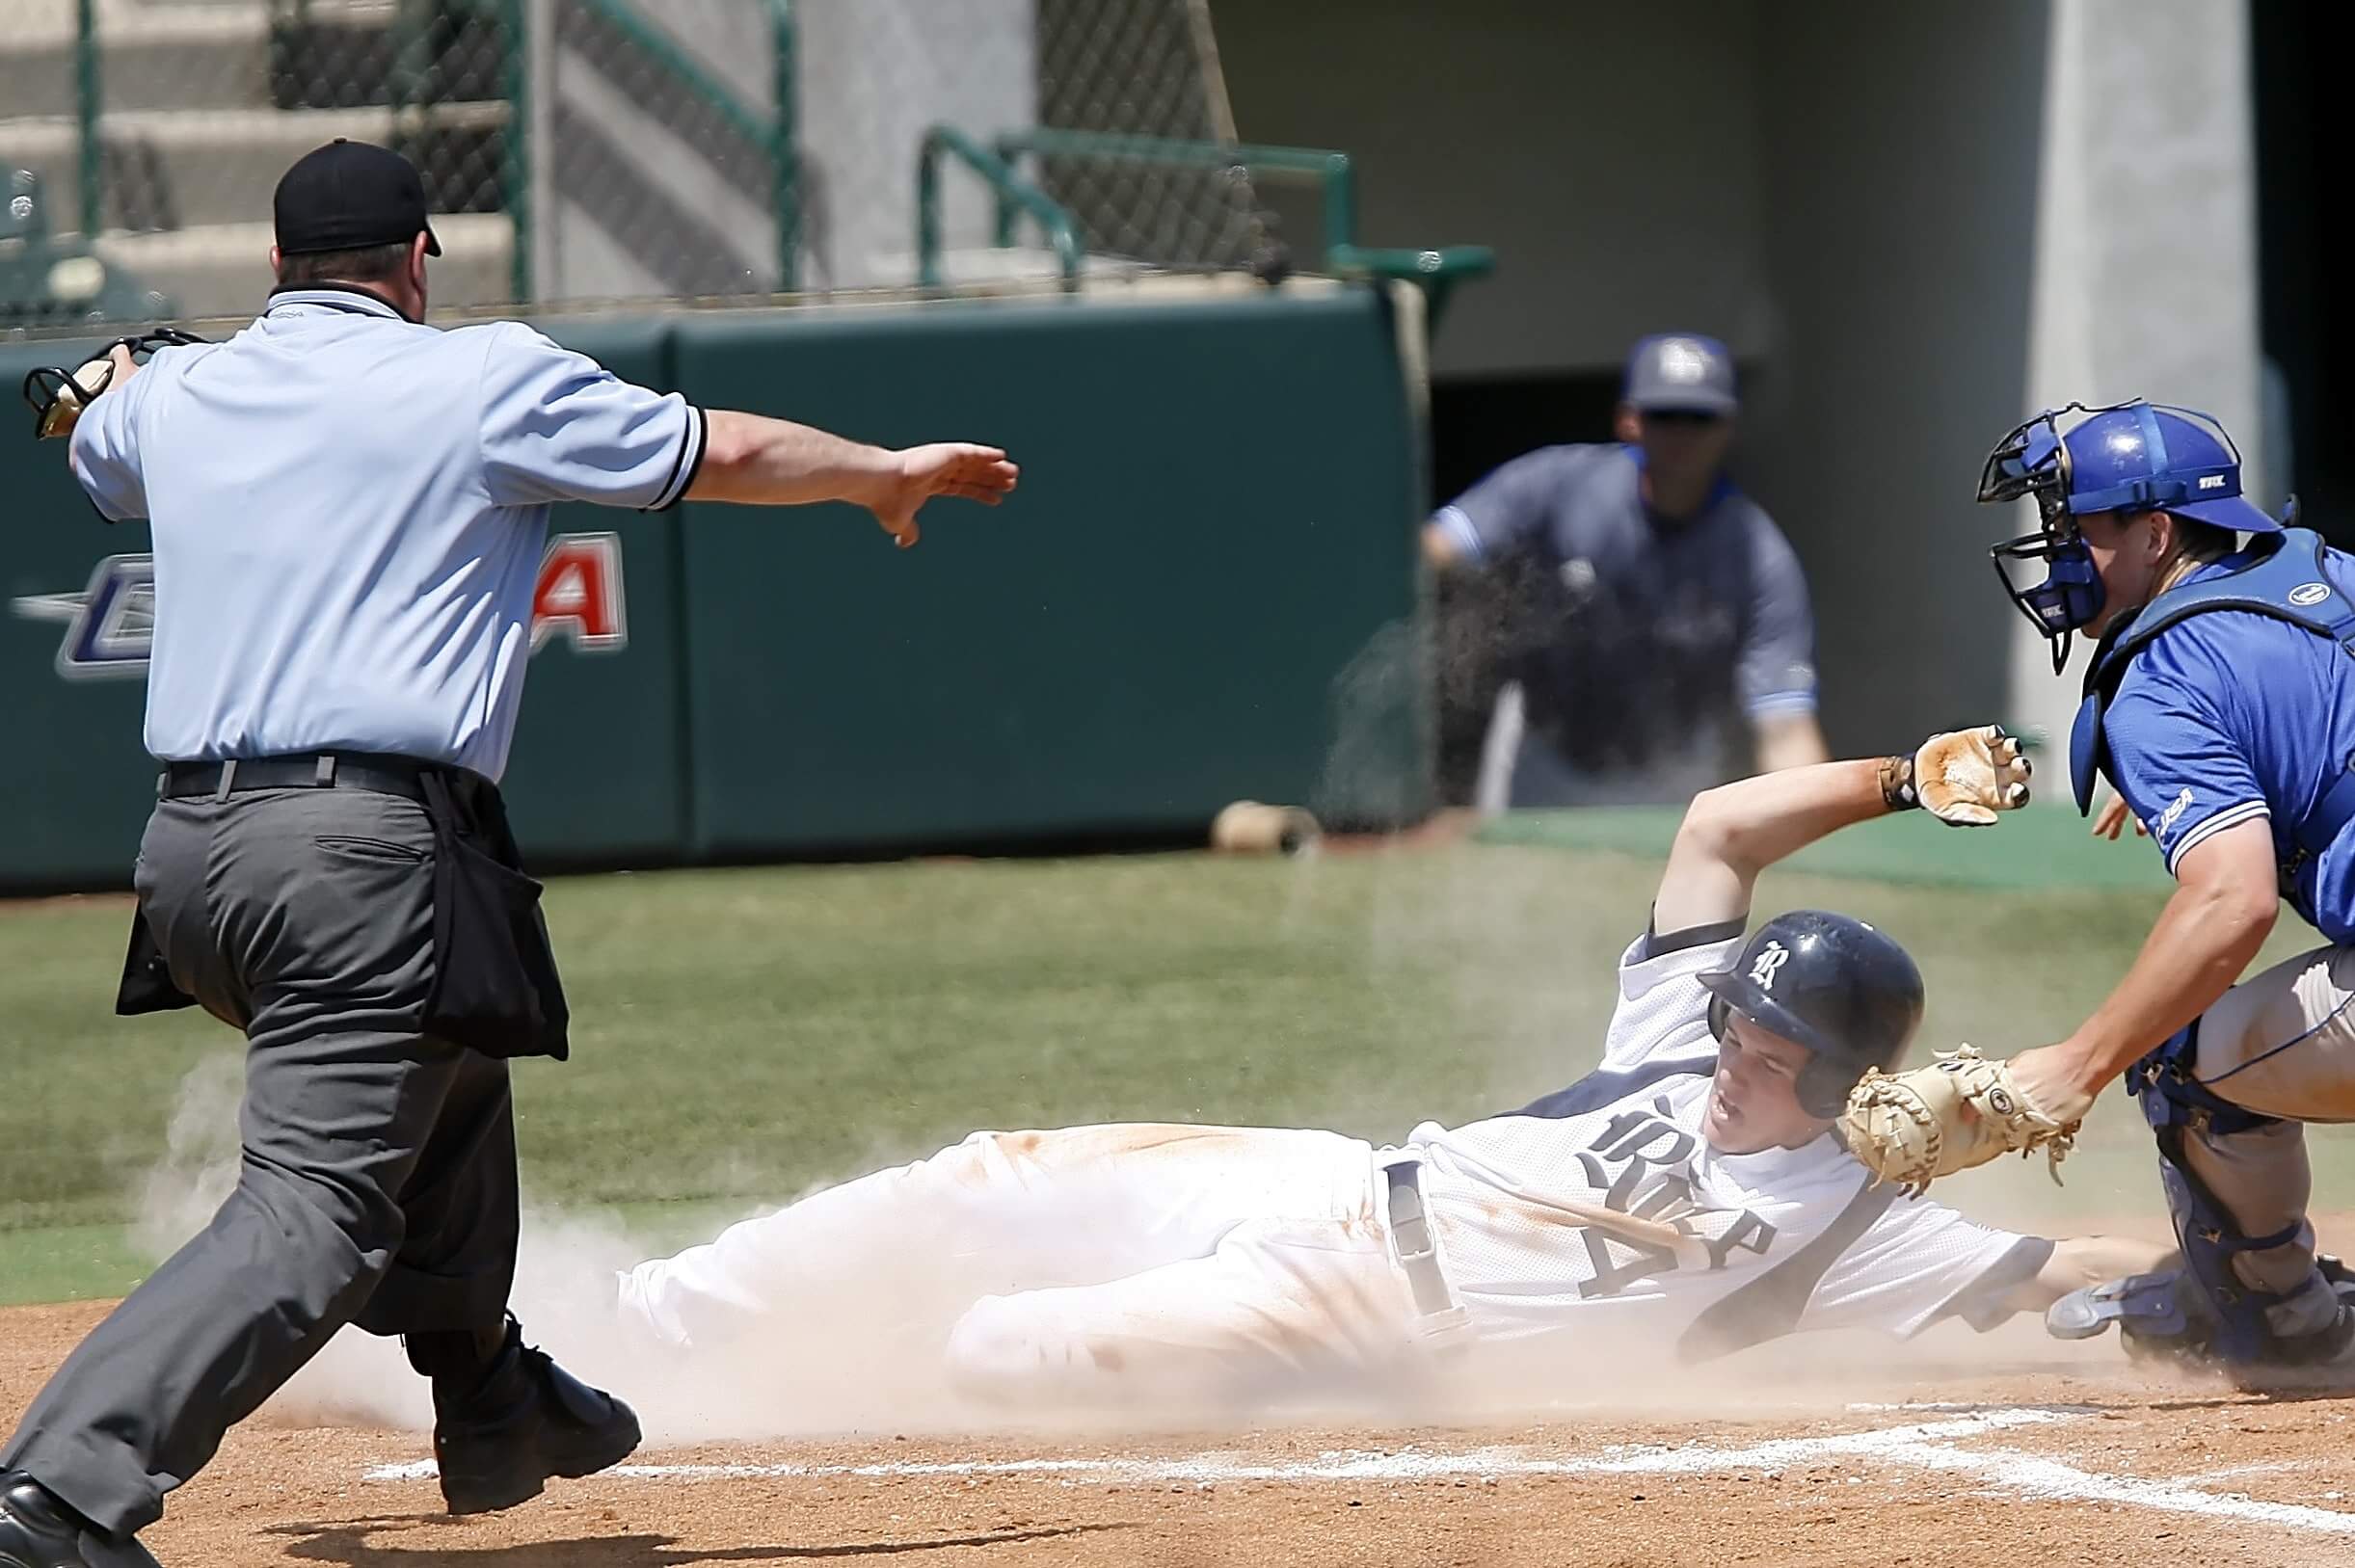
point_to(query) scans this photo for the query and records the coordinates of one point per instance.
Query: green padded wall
(1217, 518)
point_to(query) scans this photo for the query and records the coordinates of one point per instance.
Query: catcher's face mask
(2033, 461)
(58, 396)
(2126, 457)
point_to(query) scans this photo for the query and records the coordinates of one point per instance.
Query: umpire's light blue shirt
(349, 511)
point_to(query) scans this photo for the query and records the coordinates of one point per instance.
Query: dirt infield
(1999, 1450)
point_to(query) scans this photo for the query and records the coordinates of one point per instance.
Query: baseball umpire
(348, 510)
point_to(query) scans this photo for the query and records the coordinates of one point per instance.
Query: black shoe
(37, 1530)
(528, 1420)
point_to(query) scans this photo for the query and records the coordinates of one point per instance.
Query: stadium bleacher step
(221, 270)
(153, 57)
(179, 169)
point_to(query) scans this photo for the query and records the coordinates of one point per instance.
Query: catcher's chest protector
(2283, 578)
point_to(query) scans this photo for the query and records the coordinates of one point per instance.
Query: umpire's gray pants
(378, 1184)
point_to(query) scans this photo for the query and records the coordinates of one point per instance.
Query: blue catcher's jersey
(2233, 714)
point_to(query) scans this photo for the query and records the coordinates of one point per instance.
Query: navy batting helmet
(1830, 983)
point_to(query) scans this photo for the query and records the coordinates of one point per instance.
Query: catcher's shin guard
(2208, 1308)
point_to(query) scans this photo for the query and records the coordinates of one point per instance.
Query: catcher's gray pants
(2282, 1044)
(378, 1184)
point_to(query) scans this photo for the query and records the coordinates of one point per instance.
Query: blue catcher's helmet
(1831, 983)
(2138, 457)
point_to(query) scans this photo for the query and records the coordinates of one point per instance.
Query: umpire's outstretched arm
(763, 462)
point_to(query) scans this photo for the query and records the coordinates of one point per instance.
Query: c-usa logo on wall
(1770, 960)
(109, 624)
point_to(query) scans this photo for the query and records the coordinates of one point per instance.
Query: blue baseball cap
(1680, 372)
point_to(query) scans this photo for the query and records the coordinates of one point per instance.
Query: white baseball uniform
(1113, 1260)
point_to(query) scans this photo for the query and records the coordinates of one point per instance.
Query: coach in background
(1655, 611)
(348, 509)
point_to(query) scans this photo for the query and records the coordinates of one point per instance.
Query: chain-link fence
(1145, 69)
(148, 137)
(596, 149)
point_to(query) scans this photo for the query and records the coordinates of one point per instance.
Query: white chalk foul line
(1923, 1444)
(1406, 1465)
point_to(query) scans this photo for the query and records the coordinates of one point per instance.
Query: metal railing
(1333, 170)
(1009, 191)
(515, 150)
(86, 102)
(774, 132)
(1436, 272)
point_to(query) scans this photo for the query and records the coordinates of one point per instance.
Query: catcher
(2220, 703)
(1686, 1193)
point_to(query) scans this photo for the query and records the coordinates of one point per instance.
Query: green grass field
(741, 1035)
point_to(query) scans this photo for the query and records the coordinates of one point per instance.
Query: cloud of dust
(835, 1363)
(1586, 1375)
(825, 1366)
(1522, 964)
(1370, 768)
(199, 1165)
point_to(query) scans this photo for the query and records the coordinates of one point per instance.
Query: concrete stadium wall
(1608, 151)
(1915, 224)
(1900, 145)
(637, 192)
(2146, 280)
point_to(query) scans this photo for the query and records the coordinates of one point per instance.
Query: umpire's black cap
(348, 196)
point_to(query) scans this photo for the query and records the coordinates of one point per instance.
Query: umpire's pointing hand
(919, 473)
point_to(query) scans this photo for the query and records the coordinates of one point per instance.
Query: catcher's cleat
(529, 1420)
(2160, 1315)
(2163, 1316)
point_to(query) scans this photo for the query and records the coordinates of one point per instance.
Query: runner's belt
(1415, 1247)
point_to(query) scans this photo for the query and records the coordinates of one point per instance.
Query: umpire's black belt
(496, 988)
(377, 771)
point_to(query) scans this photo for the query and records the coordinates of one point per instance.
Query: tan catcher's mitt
(1962, 1111)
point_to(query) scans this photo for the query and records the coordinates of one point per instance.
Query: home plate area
(1977, 1459)
(1934, 1440)
(2173, 1473)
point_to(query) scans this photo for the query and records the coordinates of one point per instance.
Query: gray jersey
(1644, 640)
